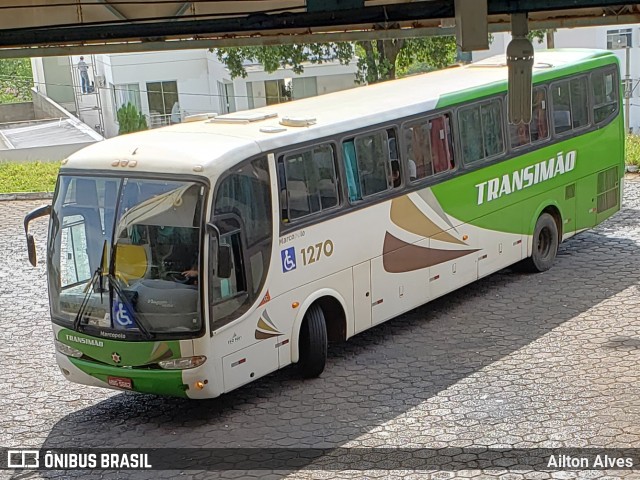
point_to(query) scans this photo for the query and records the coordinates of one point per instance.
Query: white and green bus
(193, 259)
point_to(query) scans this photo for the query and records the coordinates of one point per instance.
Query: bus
(193, 259)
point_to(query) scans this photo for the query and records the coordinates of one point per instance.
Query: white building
(615, 38)
(169, 85)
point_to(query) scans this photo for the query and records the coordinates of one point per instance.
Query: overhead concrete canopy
(60, 26)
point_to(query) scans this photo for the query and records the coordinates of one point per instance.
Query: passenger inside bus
(394, 177)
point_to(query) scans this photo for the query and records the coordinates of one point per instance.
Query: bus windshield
(124, 256)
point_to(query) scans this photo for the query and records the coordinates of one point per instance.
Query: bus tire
(545, 245)
(313, 343)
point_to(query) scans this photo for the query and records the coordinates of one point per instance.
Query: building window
(227, 97)
(618, 38)
(250, 102)
(163, 97)
(127, 93)
(304, 87)
(277, 91)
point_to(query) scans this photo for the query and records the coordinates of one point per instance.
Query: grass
(28, 176)
(633, 150)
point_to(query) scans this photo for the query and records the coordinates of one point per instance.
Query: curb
(26, 196)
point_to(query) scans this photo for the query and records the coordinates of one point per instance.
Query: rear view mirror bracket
(31, 243)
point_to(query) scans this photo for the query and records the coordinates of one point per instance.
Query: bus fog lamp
(183, 363)
(67, 350)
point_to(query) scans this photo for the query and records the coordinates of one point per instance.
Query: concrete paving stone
(513, 360)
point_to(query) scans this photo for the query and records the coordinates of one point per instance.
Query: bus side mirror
(31, 243)
(224, 261)
(31, 248)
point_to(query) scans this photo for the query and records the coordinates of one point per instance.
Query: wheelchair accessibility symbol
(122, 316)
(288, 259)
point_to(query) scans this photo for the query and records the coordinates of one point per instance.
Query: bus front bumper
(192, 383)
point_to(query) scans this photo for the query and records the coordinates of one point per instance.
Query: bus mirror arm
(31, 243)
(223, 255)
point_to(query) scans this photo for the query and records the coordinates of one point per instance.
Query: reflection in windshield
(152, 228)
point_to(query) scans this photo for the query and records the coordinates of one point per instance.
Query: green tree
(16, 80)
(130, 119)
(378, 60)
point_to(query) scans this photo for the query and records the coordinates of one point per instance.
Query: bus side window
(536, 130)
(308, 183)
(373, 163)
(605, 95)
(481, 130)
(471, 133)
(429, 147)
(570, 104)
(441, 144)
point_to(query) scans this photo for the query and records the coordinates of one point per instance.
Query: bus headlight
(67, 350)
(183, 363)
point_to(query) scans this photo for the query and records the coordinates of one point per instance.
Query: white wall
(197, 74)
(188, 68)
(330, 77)
(588, 37)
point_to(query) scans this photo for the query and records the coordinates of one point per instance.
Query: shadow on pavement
(378, 375)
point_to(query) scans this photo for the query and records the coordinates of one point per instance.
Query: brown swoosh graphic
(399, 256)
(407, 216)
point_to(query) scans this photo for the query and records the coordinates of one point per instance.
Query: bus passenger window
(372, 158)
(570, 104)
(539, 125)
(481, 130)
(605, 95)
(308, 182)
(368, 163)
(429, 147)
(471, 134)
(441, 143)
(536, 130)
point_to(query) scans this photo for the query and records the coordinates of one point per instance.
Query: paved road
(523, 361)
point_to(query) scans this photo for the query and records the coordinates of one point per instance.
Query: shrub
(130, 119)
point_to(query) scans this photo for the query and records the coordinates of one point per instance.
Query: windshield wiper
(97, 276)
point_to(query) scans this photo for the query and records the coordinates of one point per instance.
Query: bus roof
(211, 146)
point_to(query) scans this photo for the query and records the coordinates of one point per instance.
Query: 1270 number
(313, 253)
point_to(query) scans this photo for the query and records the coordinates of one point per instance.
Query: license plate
(120, 382)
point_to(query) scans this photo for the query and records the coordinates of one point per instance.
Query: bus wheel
(545, 245)
(313, 343)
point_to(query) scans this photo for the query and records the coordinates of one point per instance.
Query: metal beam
(183, 8)
(398, 20)
(117, 13)
(496, 25)
(503, 7)
(250, 24)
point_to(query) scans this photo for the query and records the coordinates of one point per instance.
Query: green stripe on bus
(159, 382)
